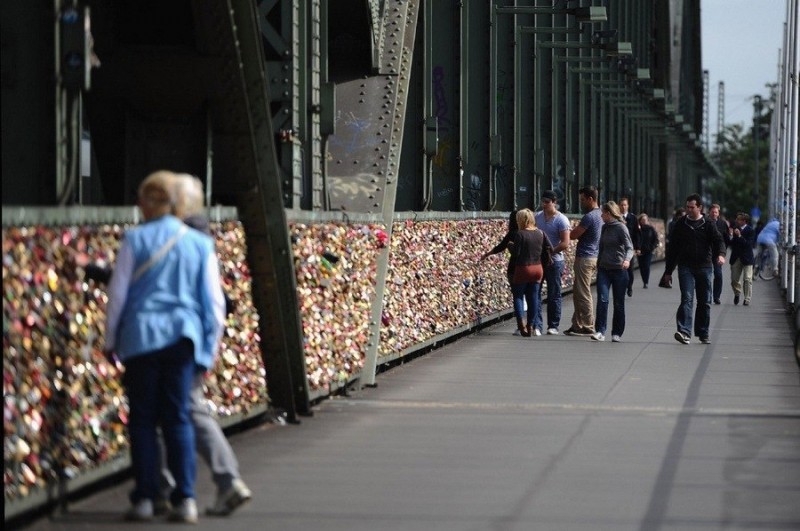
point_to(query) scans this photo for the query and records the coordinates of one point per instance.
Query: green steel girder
(282, 26)
(247, 139)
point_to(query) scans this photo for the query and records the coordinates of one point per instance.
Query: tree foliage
(735, 156)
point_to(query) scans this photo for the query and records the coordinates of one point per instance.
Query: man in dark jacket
(722, 227)
(695, 244)
(742, 258)
(632, 222)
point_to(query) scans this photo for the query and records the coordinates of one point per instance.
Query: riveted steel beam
(247, 156)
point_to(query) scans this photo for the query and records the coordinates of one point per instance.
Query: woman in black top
(504, 244)
(648, 243)
(529, 249)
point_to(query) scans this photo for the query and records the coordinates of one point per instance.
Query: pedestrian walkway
(502, 433)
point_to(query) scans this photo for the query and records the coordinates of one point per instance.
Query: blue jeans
(717, 281)
(631, 272)
(532, 293)
(694, 281)
(617, 280)
(552, 275)
(158, 385)
(645, 259)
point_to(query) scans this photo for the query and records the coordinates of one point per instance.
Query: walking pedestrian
(678, 214)
(212, 445)
(588, 235)
(695, 244)
(613, 262)
(648, 243)
(742, 239)
(722, 227)
(556, 227)
(632, 223)
(165, 314)
(504, 245)
(530, 250)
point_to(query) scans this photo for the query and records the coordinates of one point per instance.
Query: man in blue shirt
(556, 227)
(588, 235)
(769, 237)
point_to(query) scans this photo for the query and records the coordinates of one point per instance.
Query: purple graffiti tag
(442, 109)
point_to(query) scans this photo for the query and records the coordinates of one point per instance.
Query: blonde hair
(156, 194)
(612, 208)
(188, 191)
(525, 219)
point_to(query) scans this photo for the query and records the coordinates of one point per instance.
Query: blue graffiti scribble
(475, 181)
(353, 134)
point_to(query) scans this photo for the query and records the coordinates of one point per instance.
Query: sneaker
(569, 332)
(736, 299)
(517, 332)
(597, 336)
(705, 340)
(227, 502)
(141, 511)
(552, 331)
(537, 332)
(616, 339)
(185, 511)
(682, 338)
(746, 303)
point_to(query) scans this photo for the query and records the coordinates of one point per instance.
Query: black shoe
(746, 303)
(630, 292)
(682, 338)
(736, 299)
(717, 301)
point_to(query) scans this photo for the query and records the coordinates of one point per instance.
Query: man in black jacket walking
(695, 245)
(722, 227)
(632, 222)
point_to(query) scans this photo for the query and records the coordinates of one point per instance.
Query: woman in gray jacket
(616, 251)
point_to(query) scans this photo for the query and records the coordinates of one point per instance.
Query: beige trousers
(742, 275)
(583, 317)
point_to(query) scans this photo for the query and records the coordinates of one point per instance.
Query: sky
(740, 44)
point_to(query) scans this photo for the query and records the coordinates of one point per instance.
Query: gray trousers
(212, 445)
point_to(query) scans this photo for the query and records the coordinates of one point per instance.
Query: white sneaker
(227, 502)
(185, 511)
(616, 339)
(552, 331)
(141, 511)
(597, 336)
(517, 332)
(537, 332)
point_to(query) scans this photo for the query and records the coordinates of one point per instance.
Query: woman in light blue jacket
(165, 315)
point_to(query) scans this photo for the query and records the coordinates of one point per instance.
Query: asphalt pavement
(495, 432)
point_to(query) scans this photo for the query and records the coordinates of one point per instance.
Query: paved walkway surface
(502, 433)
